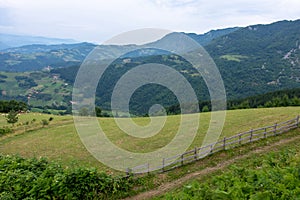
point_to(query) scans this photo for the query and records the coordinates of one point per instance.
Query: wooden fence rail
(223, 144)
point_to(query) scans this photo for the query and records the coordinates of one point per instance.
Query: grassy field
(236, 58)
(59, 141)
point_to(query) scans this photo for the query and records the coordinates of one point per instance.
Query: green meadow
(60, 142)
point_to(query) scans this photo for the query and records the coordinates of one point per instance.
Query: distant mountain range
(38, 56)
(9, 40)
(252, 60)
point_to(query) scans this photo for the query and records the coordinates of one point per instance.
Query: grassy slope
(59, 140)
(262, 173)
(57, 88)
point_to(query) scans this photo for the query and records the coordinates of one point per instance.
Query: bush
(12, 117)
(205, 109)
(5, 130)
(38, 179)
(45, 122)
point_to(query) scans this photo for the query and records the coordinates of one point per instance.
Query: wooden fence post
(298, 121)
(128, 171)
(163, 165)
(181, 159)
(224, 143)
(251, 135)
(148, 168)
(275, 129)
(195, 153)
(240, 139)
(265, 133)
(211, 148)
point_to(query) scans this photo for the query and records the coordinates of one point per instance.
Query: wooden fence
(223, 144)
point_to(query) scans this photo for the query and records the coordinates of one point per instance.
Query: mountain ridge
(38, 56)
(12, 40)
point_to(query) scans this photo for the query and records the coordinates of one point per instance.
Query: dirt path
(179, 182)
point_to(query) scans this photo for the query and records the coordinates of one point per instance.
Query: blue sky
(99, 20)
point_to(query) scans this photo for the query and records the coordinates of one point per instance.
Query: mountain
(259, 59)
(252, 60)
(42, 48)
(202, 39)
(9, 40)
(38, 57)
(205, 39)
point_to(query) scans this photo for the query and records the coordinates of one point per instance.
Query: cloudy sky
(99, 20)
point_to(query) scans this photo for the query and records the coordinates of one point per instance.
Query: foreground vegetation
(39, 179)
(273, 175)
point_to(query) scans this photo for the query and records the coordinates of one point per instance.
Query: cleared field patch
(236, 58)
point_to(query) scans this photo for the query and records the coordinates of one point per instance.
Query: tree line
(7, 106)
(281, 98)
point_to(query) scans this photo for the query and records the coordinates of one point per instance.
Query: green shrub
(5, 130)
(38, 179)
(45, 122)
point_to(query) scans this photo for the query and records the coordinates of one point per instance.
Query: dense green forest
(146, 96)
(258, 59)
(280, 98)
(6, 106)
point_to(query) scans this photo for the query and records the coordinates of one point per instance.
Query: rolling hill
(252, 60)
(37, 57)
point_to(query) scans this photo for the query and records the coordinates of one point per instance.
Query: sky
(100, 20)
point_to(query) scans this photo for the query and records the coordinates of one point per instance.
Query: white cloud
(98, 20)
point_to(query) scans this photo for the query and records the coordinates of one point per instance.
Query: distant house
(127, 60)
(55, 77)
(48, 68)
